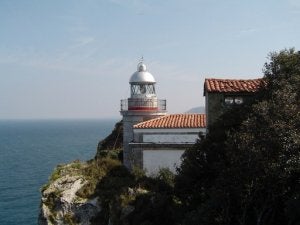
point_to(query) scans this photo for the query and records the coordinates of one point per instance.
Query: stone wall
(130, 118)
(215, 105)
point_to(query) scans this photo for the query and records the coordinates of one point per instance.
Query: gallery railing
(143, 104)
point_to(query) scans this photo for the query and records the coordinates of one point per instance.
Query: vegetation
(246, 171)
(111, 146)
(61, 170)
(94, 172)
(249, 173)
(133, 198)
(114, 141)
(68, 219)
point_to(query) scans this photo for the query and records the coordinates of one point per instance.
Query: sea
(30, 150)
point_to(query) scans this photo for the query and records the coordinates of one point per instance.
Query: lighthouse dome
(142, 75)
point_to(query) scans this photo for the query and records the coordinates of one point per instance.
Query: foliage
(112, 141)
(138, 173)
(61, 170)
(167, 176)
(69, 219)
(94, 172)
(151, 198)
(113, 154)
(158, 204)
(249, 173)
(246, 171)
(112, 145)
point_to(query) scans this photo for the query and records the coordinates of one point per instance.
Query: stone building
(142, 105)
(160, 143)
(152, 139)
(220, 94)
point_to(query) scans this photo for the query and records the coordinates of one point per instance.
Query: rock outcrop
(113, 141)
(61, 204)
(69, 197)
(102, 191)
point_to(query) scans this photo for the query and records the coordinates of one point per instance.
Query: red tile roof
(175, 121)
(228, 85)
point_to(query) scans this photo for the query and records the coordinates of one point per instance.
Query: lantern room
(142, 83)
(142, 92)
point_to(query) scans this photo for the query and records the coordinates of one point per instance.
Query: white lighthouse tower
(141, 106)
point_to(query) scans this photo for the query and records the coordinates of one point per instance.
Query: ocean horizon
(31, 149)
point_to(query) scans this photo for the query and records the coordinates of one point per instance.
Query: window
(228, 100)
(238, 100)
(233, 100)
(137, 89)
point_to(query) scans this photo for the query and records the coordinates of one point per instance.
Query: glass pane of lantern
(142, 89)
(150, 89)
(228, 100)
(135, 89)
(238, 100)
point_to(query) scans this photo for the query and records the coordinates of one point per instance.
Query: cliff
(114, 141)
(101, 191)
(70, 196)
(64, 200)
(80, 192)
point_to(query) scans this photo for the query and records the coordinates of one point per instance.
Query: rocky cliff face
(103, 192)
(94, 192)
(114, 141)
(61, 203)
(69, 197)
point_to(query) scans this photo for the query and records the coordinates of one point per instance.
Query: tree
(249, 173)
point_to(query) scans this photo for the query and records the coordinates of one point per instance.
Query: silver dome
(142, 75)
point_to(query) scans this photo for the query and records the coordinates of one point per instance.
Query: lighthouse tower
(141, 106)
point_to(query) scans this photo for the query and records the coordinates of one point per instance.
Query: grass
(116, 188)
(69, 219)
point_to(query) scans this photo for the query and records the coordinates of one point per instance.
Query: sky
(74, 58)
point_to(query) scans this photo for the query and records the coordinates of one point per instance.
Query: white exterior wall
(170, 138)
(153, 160)
(169, 157)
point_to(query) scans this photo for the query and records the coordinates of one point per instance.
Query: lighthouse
(142, 105)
